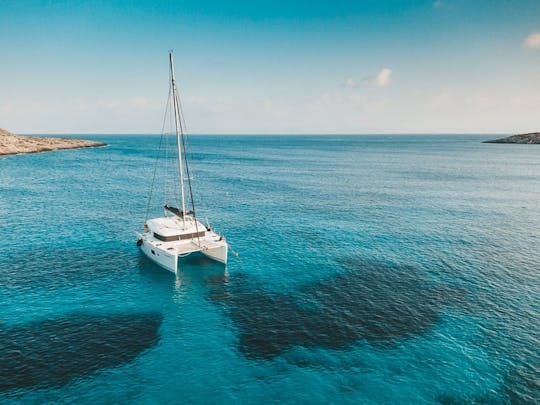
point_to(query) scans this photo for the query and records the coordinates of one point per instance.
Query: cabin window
(165, 238)
(179, 237)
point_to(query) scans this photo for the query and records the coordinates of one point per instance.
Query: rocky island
(533, 137)
(11, 144)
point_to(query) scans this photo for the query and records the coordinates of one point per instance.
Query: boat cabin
(168, 229)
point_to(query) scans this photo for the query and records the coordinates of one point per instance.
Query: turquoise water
(371, 269)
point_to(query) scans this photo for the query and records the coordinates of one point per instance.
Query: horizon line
(268, 134)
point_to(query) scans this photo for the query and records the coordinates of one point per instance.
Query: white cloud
(438, 4)
(351, 83)
(139, 102)
(532, 41)
(383, 78)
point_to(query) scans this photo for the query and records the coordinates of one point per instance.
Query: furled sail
(177, 211)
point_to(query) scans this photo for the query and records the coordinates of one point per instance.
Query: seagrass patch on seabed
(378, 302)
(51, 353)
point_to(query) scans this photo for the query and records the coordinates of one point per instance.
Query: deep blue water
(371, 269)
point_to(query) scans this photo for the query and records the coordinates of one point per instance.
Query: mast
(178, 127)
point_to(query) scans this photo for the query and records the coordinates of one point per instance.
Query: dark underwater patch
(522, 384)
(55, 351)
(450, 399)
(376, 302)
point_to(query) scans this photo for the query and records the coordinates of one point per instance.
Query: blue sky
(441, 66)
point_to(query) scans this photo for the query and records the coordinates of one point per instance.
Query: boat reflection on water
(197, 271)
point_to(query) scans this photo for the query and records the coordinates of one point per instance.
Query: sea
(362, 270)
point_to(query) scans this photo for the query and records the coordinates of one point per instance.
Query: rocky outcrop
(11, 144)
(533, 137)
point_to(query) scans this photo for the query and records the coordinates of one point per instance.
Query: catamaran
(178, 233)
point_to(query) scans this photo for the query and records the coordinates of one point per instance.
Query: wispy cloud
(532, 41)
(438, 4)
(350, 83)
(383, 78)
(139, 102)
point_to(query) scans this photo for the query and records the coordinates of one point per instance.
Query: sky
(271, 67)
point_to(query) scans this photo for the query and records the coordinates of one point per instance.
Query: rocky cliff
(533, 137)
(11, 144)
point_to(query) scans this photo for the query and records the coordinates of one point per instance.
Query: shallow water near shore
(371, 269)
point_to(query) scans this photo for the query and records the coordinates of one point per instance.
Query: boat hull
(218, 254)
(169, 258)
(166, 260)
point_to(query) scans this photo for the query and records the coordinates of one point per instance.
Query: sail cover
(177, 211)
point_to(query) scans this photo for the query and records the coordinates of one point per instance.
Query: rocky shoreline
(11, 144)
(530, 138)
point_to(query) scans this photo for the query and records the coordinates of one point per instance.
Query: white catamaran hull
(170, 261)
(218, 254)
(162, 258)
(169, 238)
